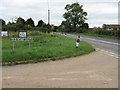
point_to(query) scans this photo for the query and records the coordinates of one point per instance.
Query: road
(96, 70)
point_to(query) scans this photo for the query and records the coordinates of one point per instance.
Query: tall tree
(30, 22)
(20, 20)
(75, 16)
(40, 23)
(2, 22)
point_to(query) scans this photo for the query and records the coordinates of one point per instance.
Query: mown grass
(45, 47)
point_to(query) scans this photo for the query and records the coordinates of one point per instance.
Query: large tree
(75, 16)
(40, 23)
(20, 20)
(30, 22)
(2, 22)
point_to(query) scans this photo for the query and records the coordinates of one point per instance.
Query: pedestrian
(78, 41)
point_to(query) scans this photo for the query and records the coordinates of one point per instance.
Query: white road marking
(91, 77)
(107, 52)
(7, 77)
(87, 75)
(73, 72)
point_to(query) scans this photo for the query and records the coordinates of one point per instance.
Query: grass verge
(45, 47)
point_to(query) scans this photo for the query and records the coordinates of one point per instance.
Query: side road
(95, 70)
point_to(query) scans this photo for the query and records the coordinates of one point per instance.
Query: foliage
(40, 23)
(75, 17)
(42, 29)
(2, 22)
(108, 32)
(14, 27)
(20, 20)
(30, 22)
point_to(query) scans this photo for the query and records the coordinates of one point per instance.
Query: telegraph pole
(48, 12)
(48, 16)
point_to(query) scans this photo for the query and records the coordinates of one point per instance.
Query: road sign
(4, 33)
(21, 39)
(23, 34)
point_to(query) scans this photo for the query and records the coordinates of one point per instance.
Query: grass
(45, 47)
(96, 35)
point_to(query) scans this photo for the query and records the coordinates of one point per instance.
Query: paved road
(96, 70)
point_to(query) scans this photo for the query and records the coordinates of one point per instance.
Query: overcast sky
(99, 11)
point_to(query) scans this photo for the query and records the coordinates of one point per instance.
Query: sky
(99, 11)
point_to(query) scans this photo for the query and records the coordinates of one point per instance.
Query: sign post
(20, 39)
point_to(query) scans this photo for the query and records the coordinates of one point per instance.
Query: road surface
(96, 70)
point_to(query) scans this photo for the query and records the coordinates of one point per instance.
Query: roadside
(95, 70)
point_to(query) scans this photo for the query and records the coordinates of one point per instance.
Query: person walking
(78, 41)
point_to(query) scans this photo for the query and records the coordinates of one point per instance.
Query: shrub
(107, 32)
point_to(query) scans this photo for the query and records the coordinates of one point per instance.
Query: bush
(42, 29)
(107, 32)
(81, 30)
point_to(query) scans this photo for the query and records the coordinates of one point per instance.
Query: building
(111, 26)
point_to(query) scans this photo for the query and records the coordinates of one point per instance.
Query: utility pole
(48, 16)
(48, 12)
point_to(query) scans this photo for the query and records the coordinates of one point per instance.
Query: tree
(75, 16)
(30, 22)
(20, 20)
(2, 22)
(40, 23)
(85, 25)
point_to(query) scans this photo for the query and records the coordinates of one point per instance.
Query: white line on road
(91, 77)
(107, 52)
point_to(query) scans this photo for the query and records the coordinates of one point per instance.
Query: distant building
(111, 26)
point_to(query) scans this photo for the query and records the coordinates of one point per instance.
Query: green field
(45, 47)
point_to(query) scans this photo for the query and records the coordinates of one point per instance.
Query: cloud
(99, 11)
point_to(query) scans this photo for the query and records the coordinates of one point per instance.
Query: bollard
(78, 41)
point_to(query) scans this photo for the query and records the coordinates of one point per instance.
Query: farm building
(111, 26)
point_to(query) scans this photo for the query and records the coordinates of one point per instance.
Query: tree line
(75, 18)
(21, 24)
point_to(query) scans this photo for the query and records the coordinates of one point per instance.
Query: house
(111, 26)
